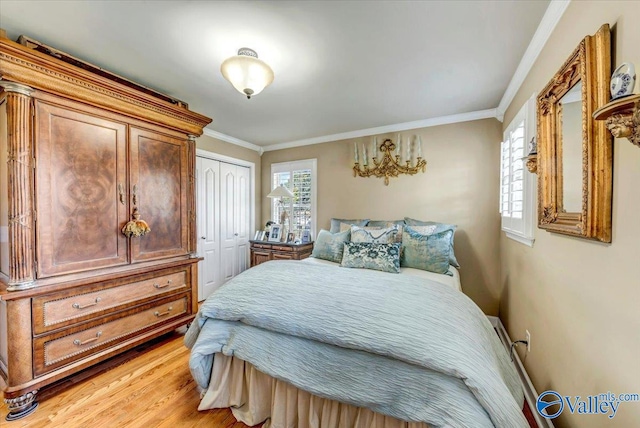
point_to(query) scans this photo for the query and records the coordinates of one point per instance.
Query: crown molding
(233, 140)
(425, 123)
(551, 17)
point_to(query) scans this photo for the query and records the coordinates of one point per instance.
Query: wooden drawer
(65, 308)
(59, 349)
(282, 248)
(282, 256)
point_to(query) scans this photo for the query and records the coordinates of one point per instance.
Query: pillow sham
(329, 246)
(385, 223)
(389, 225)
(374, 235)
(439, 227)
(426, 252)
(369, 255)
(335, 223)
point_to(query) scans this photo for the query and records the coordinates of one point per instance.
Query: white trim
(425, 123)
(530, 393)
(233, 140)
(252, 166)
(554, 12)
(520, 239)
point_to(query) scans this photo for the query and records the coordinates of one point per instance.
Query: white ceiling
(339, 66)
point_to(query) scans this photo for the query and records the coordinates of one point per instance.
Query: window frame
(281, 167)
(523, 230)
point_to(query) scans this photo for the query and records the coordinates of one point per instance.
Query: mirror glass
(570, 146)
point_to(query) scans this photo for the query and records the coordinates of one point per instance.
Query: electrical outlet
(527, 337)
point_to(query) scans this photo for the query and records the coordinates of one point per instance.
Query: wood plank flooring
(149, 387)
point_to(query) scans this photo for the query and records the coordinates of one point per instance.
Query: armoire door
(208, 199)
(235, 202)
(158, 189)
(81, 166)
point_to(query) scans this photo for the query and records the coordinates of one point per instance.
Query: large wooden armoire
(82, 153)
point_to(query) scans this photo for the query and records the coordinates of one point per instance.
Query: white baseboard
(530, 393)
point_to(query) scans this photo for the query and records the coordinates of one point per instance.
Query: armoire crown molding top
(41, 71)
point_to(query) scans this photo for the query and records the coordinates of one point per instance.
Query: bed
(311, 344)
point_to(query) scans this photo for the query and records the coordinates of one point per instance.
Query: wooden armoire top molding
(38, 70)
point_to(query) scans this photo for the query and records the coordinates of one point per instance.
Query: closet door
(158, 188)
(81, 166)
(235, 205)
(208, 197)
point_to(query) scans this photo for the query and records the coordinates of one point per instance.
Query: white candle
(419, 146)
(399, 144)
(365, 159)
(409, 148)
(355, 151)
(375, 147)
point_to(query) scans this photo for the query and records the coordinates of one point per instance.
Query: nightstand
(263, 251)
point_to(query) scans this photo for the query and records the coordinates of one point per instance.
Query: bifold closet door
(234, 219)
(208, 199)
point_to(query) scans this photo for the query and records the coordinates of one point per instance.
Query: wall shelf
(623, 118)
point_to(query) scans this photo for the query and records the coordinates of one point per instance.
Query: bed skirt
(255, 397)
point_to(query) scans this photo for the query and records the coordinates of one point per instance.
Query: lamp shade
(248, 74)
(280, 192)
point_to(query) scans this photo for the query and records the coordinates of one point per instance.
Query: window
(299, 212)
(517, 185)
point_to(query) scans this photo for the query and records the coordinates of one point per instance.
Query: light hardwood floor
(146, 387)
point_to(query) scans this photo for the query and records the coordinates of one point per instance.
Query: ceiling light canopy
(248, 74)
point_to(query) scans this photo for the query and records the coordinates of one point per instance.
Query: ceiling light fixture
(248, 74)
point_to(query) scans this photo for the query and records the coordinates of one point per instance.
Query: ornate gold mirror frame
(589, 64)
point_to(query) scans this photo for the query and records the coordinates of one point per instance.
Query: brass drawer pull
(95, 302)
(163, 286)
(93, 339)
(161, 314)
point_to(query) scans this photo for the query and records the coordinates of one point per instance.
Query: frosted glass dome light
(248, 74)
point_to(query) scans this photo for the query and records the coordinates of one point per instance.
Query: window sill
(521, 239)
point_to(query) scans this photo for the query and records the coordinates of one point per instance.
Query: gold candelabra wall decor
(391, 164)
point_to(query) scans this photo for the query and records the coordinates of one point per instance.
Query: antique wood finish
(41, 71)
(20, 180)
(81, 165)
(61, 309)
(193, 238)
(83, 151)
(262, 251)
(590, 64)
(159, 189)
(58, 349)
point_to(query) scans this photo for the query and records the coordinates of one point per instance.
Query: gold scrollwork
(390, 165)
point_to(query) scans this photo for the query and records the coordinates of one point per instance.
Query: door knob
(203, 237)
(235, 234)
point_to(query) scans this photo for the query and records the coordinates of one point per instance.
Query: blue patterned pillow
(426, 252)
(335, 223)
(329, 246)
(439, 227)
(374, 235)
(367, 255)
(384, 223)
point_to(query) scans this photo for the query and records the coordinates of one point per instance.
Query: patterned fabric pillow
(335, 223)
(439, 227)
(329, 246)
(373, 235)
(367, 255)
(426, 252)
(385, 223)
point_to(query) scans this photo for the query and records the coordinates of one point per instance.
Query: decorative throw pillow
(426, 252)
(385, 223)
(374, 235)
(329, 246)
(439, 227)
(335, 223)
(367, 255)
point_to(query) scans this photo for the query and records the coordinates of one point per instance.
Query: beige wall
(460, 186)
(579, 299)
(214, 145)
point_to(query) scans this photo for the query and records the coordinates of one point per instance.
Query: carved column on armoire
(193, 238)
(20, 177)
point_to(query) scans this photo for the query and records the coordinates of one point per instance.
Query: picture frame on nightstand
(275, 235)
(291, 237)
(306, 236)
(257, 236)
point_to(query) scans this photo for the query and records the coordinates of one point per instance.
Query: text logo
(554, 399)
